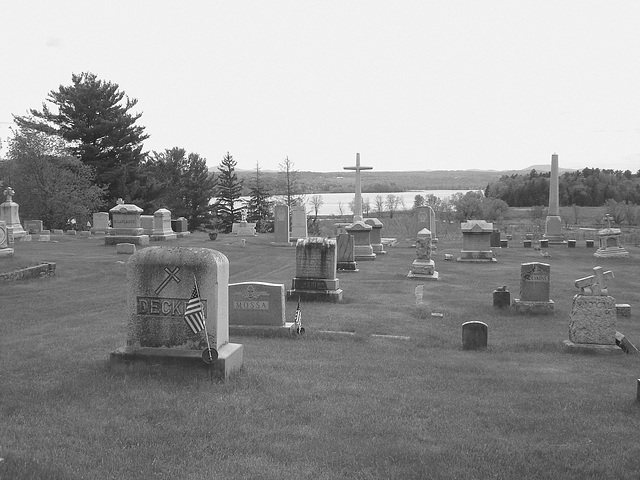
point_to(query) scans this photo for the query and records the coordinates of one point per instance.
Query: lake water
(331, 201)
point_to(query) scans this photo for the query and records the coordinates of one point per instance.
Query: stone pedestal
(423, 266)
(9, 213)
(476, 242)
(126, 226)
(162, 226)
(553, 230)
(162, 283)
(610, 244)
(315, 271)
(362, 239)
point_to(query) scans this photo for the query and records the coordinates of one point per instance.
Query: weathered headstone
(610, 246)
(298, 222)
(281, 225)
(593, 313)
(423, 266)
(494, 241)
(316, 271)
(346, 259)
(474, 335)
(45, 238)
(501, 298)
(375, 235)
(33, 226)
(419, 291)
(100, 223)
(162, 284)
(162, 226)
(9, 213)
(146, 222)
(426, 218)
(258, 308)
(126, 225)
(5, 251)
(361, 233)
(534, 289)
(526, 243)
(476, 242)
(571, 244)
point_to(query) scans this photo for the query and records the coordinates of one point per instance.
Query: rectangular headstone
(4, 238)
(33, 226)
(146, 222)
(256, 303)
(100, 222)
(299, 221)
(281, 223)
(534, 282)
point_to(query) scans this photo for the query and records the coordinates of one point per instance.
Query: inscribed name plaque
(162, 281)
(256, 303)
(534, 289)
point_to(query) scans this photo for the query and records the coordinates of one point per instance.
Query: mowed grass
(321, 406)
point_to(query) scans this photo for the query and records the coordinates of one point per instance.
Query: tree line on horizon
(83, 151)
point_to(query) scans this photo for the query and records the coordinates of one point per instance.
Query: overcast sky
(411, 85)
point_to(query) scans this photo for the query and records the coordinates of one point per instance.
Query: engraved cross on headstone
(595, 284)
(357, 217)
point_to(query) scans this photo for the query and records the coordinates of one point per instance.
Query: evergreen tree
(93, 116)
(259, 208)
(229, 192)
(290, 184)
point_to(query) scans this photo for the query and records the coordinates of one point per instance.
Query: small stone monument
(167, 286)
(244, 228)
(426, 218)
(361, 233)
(9, 213)
(316, 271)
(534, 289)
(162, 226)
(126, 225)
(146, 222)
(100, 223)
(476, 242)
(298, 222)
(610, 242)
(33, 226)
(258, 308)
(281, 225)
(5, 251)
(376, 235)
(423, 266)
(346, 260)
(501, 297)
(593, 313)
(474, 335)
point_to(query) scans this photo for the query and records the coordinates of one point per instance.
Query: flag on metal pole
(194, 312)
(298, 319)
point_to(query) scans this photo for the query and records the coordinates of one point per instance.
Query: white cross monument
(357, 217)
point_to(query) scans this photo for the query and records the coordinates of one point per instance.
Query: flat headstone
(526, 243)
(126, 248)
(44, 238)
(623, 309)
(544, 243)
(474, 335)
(590, 243)
(571, 244)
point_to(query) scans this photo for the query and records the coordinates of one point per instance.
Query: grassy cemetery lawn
(409, 404)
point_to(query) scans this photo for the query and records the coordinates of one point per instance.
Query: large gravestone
(476, 242)
(281, 225)
(33, 226)
(426, 218)
(126, 225)
(346, 248)
(298, 222)
(423, 266)
(9, 213)
(553, 223)
(361, 233)
(100, 222)
(610, 242)
(258, 308)
(162, 226)
(162, 282)
(316, 271)
(376, 235)
(146, 222)
(593, 313)
(534, 289)
(5, 251)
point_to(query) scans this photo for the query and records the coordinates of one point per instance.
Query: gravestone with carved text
(258, 308)
(316, 271)
(535, 279)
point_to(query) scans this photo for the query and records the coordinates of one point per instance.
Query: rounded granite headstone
(474, 335)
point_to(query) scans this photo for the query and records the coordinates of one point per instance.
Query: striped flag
(298, 320)
(194, 312)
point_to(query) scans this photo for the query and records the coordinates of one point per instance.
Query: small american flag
(298, 320)
(193, 312)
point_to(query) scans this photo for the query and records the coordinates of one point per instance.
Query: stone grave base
(536, 308)
(591, 347)
(6, 252)
(391, 242)
(611, 252)
(472, 256)
(424, 270)
(244, 229)
(286, 330)
(333, 296)
(283, 244)
(555, 239)
(347, 266)
(163, 237)
(135, 239)
(229, 358)
(183, 234)
(378, 249)
(364, 253)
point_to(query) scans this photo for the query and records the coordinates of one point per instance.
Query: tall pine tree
(259, 206)
(229, 192)
(93, 116)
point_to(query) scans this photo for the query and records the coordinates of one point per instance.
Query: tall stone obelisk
(553, 224)
(360, 231)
